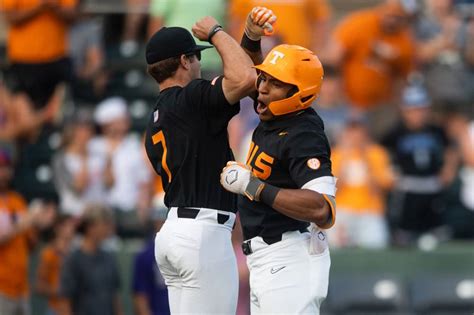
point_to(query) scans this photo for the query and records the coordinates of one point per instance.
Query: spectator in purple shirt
(150, 295)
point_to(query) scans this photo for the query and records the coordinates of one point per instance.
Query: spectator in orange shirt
(16, 237)
(303, 23)
(37, 49)
(364, 174)
(51, 259)
(374, 49)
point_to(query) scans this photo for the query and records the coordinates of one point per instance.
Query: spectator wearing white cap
(124, 172)
(422, 155)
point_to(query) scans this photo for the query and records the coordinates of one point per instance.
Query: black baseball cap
(171, 42)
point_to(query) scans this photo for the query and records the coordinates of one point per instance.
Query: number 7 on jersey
(159, 137)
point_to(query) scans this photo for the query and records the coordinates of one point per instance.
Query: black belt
(191, 213)
(269, 240)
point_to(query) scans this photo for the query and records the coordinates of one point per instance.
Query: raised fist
(259, 23)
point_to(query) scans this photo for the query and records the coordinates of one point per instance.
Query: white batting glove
(259, 23)
(239, 179)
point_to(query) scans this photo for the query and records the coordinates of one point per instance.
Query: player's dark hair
(164, 69)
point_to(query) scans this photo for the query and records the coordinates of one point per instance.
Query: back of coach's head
(164, 51)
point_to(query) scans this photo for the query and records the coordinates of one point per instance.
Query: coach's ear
(185, 62)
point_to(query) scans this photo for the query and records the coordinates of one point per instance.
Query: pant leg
(290, 280)
(210, 282)
(199, 266)
(168, 271)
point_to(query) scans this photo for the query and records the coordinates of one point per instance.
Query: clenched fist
(259, 23)
(203, 27)
(238, 179)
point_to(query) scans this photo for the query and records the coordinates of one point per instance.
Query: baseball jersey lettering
(187, 140)
(157, 138)
(262, 165)
(283, 162)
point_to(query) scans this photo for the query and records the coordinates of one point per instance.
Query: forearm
(20, 227)
(141, 305)
(118, 305)
(427, 51)
(467, 149)
(67, 309)
(253, 49)
(17, 17)
(320, 36)
(236, 63)
(303, 204)
(68, 15)
(43, 288)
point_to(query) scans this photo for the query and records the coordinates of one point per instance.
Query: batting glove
(239, 179)
(259, 23)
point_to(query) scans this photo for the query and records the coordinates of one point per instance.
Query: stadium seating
(367, 294)
(443, 294)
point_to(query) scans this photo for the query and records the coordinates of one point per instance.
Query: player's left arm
(304, 204)
(307, 156)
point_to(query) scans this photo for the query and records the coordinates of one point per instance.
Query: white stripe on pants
(197, 261)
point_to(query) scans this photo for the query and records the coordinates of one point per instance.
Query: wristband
(269, 194)
(216, 28)
(249, 44)
(254, 188)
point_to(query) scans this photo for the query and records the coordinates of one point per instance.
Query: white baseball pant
(198, 263)
(290, 276)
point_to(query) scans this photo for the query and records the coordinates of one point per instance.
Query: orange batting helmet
(298, 66)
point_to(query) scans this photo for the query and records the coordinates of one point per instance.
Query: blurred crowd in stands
(397, 103)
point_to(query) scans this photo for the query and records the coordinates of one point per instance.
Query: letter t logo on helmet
(276, 55)
(298, 66)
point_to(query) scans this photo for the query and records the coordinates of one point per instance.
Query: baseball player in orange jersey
(287, 188)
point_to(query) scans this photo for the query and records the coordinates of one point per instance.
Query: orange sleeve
(8, 4)
(406, 62)
(69, 3)
(18, 202)
(335, 162)
(346, 33)
(239, 9)
(381, 167)
(44, 266)
(320, 10)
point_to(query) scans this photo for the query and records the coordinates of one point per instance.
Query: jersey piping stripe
(332, 205)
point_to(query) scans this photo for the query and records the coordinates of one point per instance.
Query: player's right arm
(239, 76)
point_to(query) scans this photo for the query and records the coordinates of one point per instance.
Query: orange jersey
(295, 18)
(43, 38)
(14, 253)
(50, 270)
(358, 172)
(368, 73)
